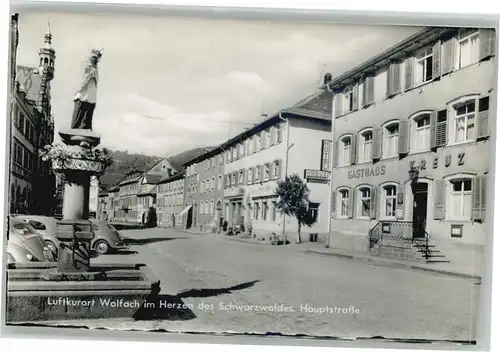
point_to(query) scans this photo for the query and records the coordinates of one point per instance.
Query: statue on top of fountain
(80, 132)
(85, 98)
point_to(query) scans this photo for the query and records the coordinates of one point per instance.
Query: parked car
(25, 244)
(45, 226)
(106, 238)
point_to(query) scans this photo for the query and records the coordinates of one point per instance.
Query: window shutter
(373, 202)
(368, 91)
(441, 128)
(354, 148)
(350, 210)
(433, 129)
(396, 85)
(333, 211)
(409, 73)
(236, 181)
(400, 193)
(261, 173)
(377, 144)
(448, 57)
(355, 94)
(484, 190)
(476, 198)
(338, 104)
(436, 60)
(364, 101)
(225, 181)
(486, 43)
(335, 153)
(244, 176)
(390, 73)
(280, 166)
(483, 130)
(355, 196)
(371, 90)
(273, 135)
(440, 200)
(403, 136)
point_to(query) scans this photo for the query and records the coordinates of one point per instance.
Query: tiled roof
(29, 79)
(147, 190)
(130, 179)
(318, 105)
(153, 178)
(177, 176)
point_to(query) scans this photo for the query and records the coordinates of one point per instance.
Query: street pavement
(219, 285)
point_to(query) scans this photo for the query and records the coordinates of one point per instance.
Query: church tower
(47, 56)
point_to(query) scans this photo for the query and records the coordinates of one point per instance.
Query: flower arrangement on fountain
(64, 157)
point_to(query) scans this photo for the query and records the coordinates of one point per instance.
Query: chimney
(328, 78)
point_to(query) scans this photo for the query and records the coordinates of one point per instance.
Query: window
(365, 146)
(279, 133)
(468, 47)
(348, 100)
(390, 140)
(220, 182)
(250, 176)
(423, 66)
(228, 180)
(421, 133)
(264, 211)
(343, 203)
(233, 179)
(257, 174)
(274, 209)
(256, 209)
(241, 177)
(268, 138)
(314, 211)
(266, 172)
(241, 148)
(202, 187)
(234, 153)
(464, 122)
(211, 207)
(345, 151)
(276, 168)
(364, 198)
(258, 143)
(389, 200)
(213, 184)
(460, 198)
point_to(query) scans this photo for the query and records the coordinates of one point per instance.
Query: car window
(37, 225)
(24, 228)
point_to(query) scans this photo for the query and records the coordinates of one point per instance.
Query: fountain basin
(38, 292)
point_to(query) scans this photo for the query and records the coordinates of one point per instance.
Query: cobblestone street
(212, 282)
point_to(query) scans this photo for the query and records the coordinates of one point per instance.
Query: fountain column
(79, 161)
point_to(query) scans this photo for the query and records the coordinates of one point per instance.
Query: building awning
(185, 210)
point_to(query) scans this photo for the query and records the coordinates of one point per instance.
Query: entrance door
(420, 192)
(189, 220)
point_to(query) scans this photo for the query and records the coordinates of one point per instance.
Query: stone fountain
(73, 288)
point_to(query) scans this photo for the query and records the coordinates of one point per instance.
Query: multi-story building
(206, 194)
(290, 142)
(128, 189)
(411, 136)
(113, 203)
(32, 183)
(102, 205)
(93, 196)
(146, 199)
(170, 201)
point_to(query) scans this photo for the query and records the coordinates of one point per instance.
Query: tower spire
(48, 34)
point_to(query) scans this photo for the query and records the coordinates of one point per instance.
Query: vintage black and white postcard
(206, 175)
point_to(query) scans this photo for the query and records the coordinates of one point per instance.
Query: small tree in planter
(293, 200)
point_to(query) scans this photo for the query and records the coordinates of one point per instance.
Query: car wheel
(101, 247)
(52, 247)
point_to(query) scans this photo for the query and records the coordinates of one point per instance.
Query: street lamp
(413, 174)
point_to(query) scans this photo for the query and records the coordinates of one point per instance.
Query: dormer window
(350, 100)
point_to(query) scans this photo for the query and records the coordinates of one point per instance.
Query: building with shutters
(424, 106)
(293, 141)
(32, 182)
(170, 201)
(204, 192)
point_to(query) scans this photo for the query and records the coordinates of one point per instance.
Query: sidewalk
(465, 261)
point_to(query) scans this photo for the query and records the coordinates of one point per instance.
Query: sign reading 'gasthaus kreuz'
(317, 175)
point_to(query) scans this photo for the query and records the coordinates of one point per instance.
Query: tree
(293, 200)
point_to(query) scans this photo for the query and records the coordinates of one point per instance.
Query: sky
(170, 84)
